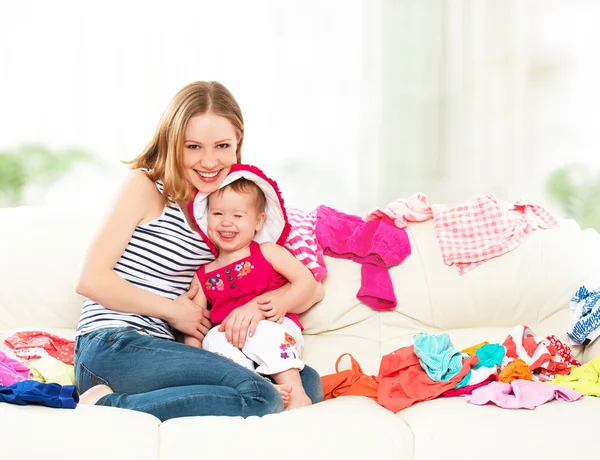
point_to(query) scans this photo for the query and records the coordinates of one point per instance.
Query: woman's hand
(241, 322)
(189, 317)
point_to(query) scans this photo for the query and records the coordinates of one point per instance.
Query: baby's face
(233, 219)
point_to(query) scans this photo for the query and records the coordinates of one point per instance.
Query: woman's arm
(198, 299)
(138, 201)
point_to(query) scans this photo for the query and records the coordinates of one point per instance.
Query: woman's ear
(260, 221)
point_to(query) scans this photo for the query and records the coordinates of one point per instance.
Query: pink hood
(276, 228)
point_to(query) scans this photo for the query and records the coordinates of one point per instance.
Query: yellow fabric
(472, 350)
(34, 374)
(51, 370)
(584, 379)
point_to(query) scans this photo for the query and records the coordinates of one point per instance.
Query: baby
(243, 270)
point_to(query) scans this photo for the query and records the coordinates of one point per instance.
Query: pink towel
(376, 244)
(521, 394)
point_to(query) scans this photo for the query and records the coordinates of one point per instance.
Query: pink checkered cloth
(303, 243)
(485, 227)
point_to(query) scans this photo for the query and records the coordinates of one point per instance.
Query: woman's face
(209, 146)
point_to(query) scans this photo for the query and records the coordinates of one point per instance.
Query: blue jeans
(169, 379)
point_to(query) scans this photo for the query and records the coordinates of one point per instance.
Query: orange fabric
(472, 350)
(351, 382)
(403, 382)
(516, 370)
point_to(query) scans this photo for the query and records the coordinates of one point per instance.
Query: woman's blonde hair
(163, 154)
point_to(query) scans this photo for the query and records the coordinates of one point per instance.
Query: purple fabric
(521, 394)
(376, 244)
(11, 370)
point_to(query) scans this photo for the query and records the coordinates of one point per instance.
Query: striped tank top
(161, 257)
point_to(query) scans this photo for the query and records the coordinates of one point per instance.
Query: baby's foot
(298, 399)
(94, 394)
(284, 391)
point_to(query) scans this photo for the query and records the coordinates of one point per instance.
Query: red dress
(236, 284)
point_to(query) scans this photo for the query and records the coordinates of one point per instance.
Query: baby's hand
(272, 312)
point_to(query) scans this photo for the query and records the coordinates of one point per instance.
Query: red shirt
(236, 284)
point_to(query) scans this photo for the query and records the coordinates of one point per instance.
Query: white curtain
(485, 96)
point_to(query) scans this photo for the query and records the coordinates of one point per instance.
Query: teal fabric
(437, 356)
(490, 355)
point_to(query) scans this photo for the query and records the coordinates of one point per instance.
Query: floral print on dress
(215, 282)
(288, 342)
(243, 268)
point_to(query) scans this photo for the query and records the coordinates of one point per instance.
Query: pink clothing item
(563, 350)
(483, 228)
(37, 344)
(521, 394)
(236, 284)
(402, 211)
(469, 388)
(11, 371)
(376, 244)
(303, 243)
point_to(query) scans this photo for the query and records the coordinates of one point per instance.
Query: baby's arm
(302, 284)
(199, 299)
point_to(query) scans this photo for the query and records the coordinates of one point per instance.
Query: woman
(138, 270)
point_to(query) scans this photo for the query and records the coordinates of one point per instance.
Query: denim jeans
(169, 379)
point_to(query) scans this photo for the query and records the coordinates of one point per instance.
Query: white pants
(274, 348)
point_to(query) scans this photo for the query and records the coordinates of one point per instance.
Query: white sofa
(40, 254)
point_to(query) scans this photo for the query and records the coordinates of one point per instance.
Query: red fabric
(236, 284)
(469, 389)
(535, 351)
(485, 227)
(55, 346)
(403, 382)
(564, 351)
(350, 382)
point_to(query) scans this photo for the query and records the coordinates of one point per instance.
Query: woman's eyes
(197, 147)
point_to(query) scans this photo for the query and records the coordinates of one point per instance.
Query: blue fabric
(437, 356)
(590, 315)
(169, 379)
(490, 355)
(45, 394)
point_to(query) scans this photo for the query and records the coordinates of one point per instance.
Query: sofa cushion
(349, 427)
(90, 432)
(452, 425)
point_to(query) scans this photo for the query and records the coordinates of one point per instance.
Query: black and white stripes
(161, 257)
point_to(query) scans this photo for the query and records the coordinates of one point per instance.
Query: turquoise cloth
(437, 356)
(490, 355)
